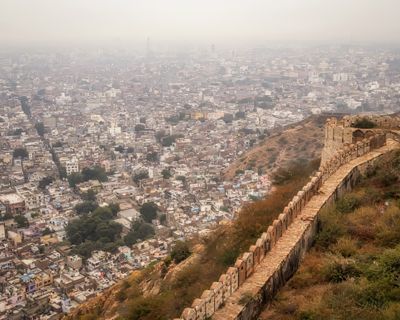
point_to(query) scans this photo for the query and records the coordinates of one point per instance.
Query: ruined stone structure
(275, 256)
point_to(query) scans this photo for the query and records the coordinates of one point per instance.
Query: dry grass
(304, 140)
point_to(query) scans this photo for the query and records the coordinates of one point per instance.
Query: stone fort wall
(347, 150)
(341, 132)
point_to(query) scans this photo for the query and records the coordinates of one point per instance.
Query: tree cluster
(166, 173)
(140, 127)
(86, 207)
(20, 153)
(22, 221)
(44, 182)
(16, 132)
(364, 123)
(152, 156)
(40, 128)
(180, 251)
(94, 231)
(140, 231)
(25, 106)
(149, 211)
(95, 173)
(140, 176)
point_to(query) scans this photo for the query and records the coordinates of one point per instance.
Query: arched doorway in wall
(369, 134)
(358, 135)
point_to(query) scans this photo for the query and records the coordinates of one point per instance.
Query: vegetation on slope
(164, 290)
(300, 141)
(353, 270)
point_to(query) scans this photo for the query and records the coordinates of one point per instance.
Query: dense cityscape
(108, 158)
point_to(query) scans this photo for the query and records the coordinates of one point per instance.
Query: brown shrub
(345, 246)
(361, 223)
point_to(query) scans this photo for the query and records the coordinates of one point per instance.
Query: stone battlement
(342, 132)
(215, 299)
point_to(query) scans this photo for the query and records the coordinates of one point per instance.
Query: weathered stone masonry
(275, 256)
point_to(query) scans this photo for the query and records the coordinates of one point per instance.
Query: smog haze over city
(173, 159)
(177, 22)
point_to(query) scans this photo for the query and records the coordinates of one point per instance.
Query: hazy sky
(205, 21)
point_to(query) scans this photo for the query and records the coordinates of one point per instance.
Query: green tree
(167, 141)
(16, 132)
(114, 207)
(85, 207)
(47, 231)
(22, 221)
(20, 153)
(25, 105)
(44, 182)
(104, 213)
(95, 173)
(119, 149)
(140, 127)
(152, 156)
(40, 128)
(163, 219)
(180, 251)
(364, 123)
(57, 144)
(149, 211)
(181, 178)
(240, 115)
(166, 173)
(140, 231)
(140, 176)
(74, 179)
(90, 195)
(94, 231)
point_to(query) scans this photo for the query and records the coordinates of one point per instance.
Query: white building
(72, 165)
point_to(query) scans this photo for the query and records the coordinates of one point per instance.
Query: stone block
(255, 249)
(241, 266)
(265, 237)
(261, 250)
(233, 274)
(209, 299)
(225, 279)
(284, 221)
(249, 260)
(277, 225)
(189, 314)
(199, 305)
(296, 206)
(272, 236)
(217, 288)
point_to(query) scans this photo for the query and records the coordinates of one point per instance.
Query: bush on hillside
(330, 229)
(348, 203)
(341, 271)
(364, 123)
(346, 247)
(180, 251)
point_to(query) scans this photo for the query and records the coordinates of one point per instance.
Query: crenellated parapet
(219, 292)
(380, 121)
(340, 133)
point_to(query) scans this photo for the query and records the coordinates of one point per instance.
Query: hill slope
(299, 141)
